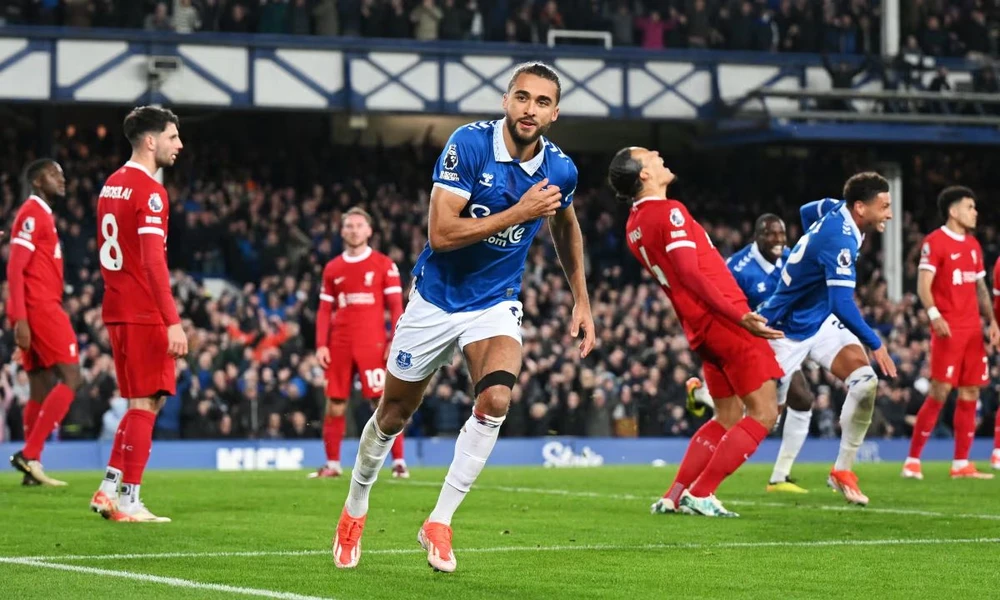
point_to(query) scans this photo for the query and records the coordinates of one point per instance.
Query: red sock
(29, 415)
(964, 424)
(699, 452)
(734, 449)
(926, 420)
(397, 447)
(117, 459)
(333, 435)
(138, 440)
(52, 411)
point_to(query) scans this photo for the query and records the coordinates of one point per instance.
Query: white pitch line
(41, 560)
(169, 581)
(600, 495)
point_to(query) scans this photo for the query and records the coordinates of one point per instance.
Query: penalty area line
(169, 581)
(42, 560)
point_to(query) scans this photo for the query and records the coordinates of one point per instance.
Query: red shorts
(346, 359)
(960, 359)
(143, 367)
(735, 362)
(53, 341)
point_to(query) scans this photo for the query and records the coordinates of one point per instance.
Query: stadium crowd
(938, 27)
(252, 226)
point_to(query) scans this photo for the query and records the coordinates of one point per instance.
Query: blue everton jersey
(824, 256)
(756, 276)
(476, 165)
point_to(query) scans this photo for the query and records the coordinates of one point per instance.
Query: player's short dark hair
(623, 175)
(33, 170)
(356, 210)
(865, 187)
(147, 119)
(538, 69)
(763, 220)
(952, 195)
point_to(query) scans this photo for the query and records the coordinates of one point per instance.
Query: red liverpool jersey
(132, 206)
(996, 292)
(34, 232)
(356, 287)
(655, 228)
(957, 263)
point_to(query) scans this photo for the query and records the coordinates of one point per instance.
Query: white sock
(473, 447)
(856, 415)
(794, 435)
(959, 464)
(109, 485)
(129, 499)
(372, 451)
(333, 464)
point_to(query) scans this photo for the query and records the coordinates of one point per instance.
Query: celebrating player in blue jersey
(814, 306)
(493, 184)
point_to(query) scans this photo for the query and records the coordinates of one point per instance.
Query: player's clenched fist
(541, 200)
(177, 342)
(323, 356)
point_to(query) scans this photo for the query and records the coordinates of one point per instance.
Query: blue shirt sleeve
(568, 171)
(814, 211)
(843, 307)
(457, 168)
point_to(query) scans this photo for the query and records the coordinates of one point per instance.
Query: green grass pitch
(522, 533)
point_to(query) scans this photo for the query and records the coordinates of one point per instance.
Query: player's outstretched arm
(568, 240)
(925, 279)
(448, 230)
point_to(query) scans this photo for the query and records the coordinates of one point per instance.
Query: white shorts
(832, 337)
(426, 336)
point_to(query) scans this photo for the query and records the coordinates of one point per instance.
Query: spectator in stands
(326, 18)
(159, 20)
(426, 18)
(186, 17)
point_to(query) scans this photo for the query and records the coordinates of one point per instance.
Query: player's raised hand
(757, 325)
(323, 356)
(940, 327)
(22, 335)
(884, 362)
(541, 200)
(177, 341)
(582, 317)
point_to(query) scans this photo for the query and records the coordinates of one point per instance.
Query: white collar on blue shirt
(849, 220)
(500, 153)
(765, 264)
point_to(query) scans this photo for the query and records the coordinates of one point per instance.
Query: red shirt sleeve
(21, 249)
(685, 262)
(325, 311)
(930, 255)
(151, 219)
(393, 291)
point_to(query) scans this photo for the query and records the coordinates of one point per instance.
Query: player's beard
(165, 159)
(521, 140)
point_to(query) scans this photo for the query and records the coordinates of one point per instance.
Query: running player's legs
(146, 376)
(839, 351)
(370, 362)
(424, 341)
(491, 342)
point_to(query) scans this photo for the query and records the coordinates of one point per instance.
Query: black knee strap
(505, 378)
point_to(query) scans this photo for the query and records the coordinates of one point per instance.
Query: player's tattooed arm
(568, 241)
